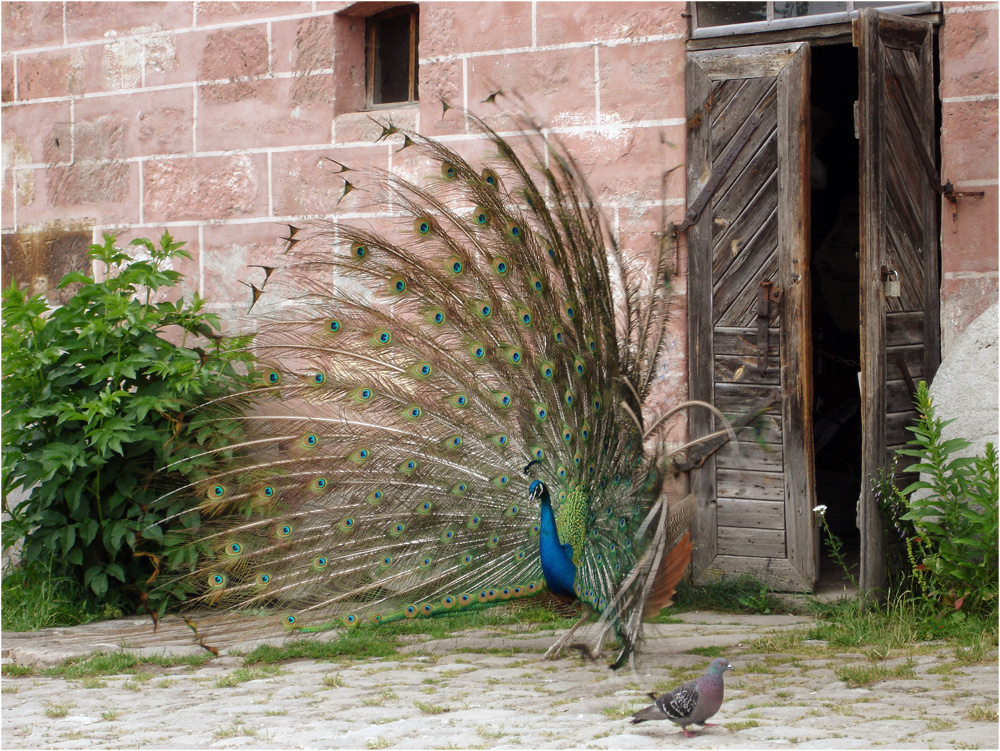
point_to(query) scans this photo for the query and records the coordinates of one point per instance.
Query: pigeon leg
(687, 733)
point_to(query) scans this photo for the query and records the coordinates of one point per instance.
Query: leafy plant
(96, 394)
(953, 513)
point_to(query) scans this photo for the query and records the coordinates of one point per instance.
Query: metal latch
(769, 292)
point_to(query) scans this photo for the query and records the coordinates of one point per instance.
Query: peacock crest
(412, 373)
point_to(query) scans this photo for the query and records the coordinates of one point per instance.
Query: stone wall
(213, 119)
(968, 90)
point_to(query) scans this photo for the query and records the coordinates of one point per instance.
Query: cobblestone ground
(490, 689)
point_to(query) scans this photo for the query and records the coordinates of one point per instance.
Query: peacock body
(412, 376)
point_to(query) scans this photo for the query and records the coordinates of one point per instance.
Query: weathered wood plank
(736, 512)
(751, 455)
(745, 62)
(777, 572)
(731, 369)
(739, 224)
(794, 250)
(736, 296)
(759, 486)
(698, 89)
(742, 341)
(904, 328)
(752, 543)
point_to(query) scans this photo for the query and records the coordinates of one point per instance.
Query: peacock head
(538, 492)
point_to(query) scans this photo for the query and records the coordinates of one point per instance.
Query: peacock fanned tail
(410, 373)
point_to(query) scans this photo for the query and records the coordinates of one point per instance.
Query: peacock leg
(565, 641)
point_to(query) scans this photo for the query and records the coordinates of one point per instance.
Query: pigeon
(690, 703)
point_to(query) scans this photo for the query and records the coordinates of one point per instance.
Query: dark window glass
(722, 14)
(392, 56)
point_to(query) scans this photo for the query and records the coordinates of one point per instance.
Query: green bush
(949, 518)
(96, 395)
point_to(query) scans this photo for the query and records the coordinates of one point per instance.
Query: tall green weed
(948, 519)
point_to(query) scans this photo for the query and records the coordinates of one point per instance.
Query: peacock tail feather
(410, 373)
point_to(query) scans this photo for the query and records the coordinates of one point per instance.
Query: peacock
(448, 410)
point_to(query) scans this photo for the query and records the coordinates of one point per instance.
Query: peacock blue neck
(557, 560)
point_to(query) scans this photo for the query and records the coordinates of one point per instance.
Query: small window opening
(391, 56)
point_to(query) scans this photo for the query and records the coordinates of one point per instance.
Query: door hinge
(719, 172)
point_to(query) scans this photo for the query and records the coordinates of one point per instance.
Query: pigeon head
(719, 666)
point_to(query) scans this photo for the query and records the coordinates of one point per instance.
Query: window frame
(371, 27)
(799, 22)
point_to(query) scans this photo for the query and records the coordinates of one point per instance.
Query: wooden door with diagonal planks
(749, 309)
(900, 335)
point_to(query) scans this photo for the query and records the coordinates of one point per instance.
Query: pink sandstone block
(228, 254)
(86, 191)
(38, 125)
(53, 73)
(205, 188)
(969, 140)
(439, 81)
(8, 85)
(307, 183)
(969, 243)
(30, 24)
(300, 45)
(561, 23)
(231, 53)
(642, 81)
(87, 21)
(561, 83)
(364, 127)
(179, 61)
(962, 300)
(624, 165)
(271, 118)
(155, 122)
(226, 12)
(968, 52)
(464, 27)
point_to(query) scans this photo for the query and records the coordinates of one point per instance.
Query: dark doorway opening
(835, 301)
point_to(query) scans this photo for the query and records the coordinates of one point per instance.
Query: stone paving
(490, 689)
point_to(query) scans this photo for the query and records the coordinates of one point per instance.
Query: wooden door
(900, 336)
(748, 224)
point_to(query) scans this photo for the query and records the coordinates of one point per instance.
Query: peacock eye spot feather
(290, 620)
(320, 562)
(514, 230)
(490, 178)
(359, 250)
(310, 439)
(285, 530)
(460, 488)
(513, 510)
(383, 337)
(216, 581)
(333, 326)
(481, 216)
(448, 171)
(318, 378)
(364, 394)
(422, 226)
(425, 563)
(216, 491)
(263, 579)
(234, 548)
(425, 507)
(447, 535)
